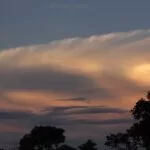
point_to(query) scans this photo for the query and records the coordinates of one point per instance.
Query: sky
(79, 65)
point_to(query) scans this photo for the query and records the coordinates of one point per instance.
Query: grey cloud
(54, 111)
(98, 92)
(4, 115)
(57, 81)
(95, 110)
(63, 121)
(75, 99)
(106, 122)
(60, 115)
(69, 110)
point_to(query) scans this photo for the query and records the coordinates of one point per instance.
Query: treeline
(50, 138)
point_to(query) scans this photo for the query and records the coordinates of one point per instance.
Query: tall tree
(88, 145)
(141, 129)
(43, 137)
(139, 133)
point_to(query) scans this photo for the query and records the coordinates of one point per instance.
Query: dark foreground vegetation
(138, 135)
(50, 138)
(134, 138)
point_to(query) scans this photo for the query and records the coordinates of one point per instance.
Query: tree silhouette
(26, 143)
(139, 133)
(141, 129)
(89, 145)
(112, 141)
(42, 137)
(66, 147)
(120, 141)
(141, 110)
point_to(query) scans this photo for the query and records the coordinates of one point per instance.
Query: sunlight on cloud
(141, 74)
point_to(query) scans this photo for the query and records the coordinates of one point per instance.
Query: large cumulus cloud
(79, 74)
(97, 67)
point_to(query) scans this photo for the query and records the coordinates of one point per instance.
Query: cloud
(14, 115)
(95, 110)
(80, 66)
(57, 81)
(16, 123)
(75, 99)
(66, 82)
(59, 111)
(106, 122)
(60, 116)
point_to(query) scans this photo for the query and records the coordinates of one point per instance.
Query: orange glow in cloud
(141, 74)
(37, 100)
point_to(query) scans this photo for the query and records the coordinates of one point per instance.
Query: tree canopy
(42, 137)
(88, 145)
